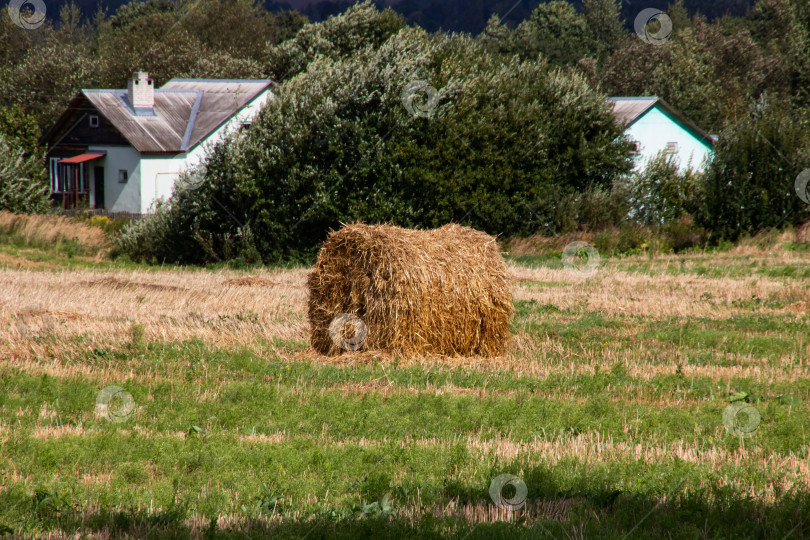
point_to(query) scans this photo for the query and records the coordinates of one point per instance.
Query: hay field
(608, 405)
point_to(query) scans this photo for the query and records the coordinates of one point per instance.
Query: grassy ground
(608, 406)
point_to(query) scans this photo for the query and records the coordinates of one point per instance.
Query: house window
(123, 176)
(93, 120)
(636, 150)
(671, 148)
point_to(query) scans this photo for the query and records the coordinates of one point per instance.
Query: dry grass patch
(20, 262)
(485, 512)
(274, 438)
(52, 230)
(53, 432)
(618, 293)
(90, 478)
(101, 307)
(533, 245)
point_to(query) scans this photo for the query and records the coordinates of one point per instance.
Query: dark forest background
(447, 15)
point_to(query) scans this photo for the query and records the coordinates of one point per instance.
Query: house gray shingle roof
(627, 110)
(186, 111)
(221, 99)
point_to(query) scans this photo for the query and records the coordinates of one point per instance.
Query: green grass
(213, 470)
(71, 256)
(261, 440)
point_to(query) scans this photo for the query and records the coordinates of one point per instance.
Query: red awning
(81, 158)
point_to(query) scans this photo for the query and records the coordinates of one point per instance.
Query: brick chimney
(141, 91)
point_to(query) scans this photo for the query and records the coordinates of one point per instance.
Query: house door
(98, 186)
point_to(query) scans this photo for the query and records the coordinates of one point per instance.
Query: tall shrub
(23, 180)
(750, 184)
(661, 193)
(498, 146)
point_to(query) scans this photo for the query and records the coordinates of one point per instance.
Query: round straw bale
(378, 287)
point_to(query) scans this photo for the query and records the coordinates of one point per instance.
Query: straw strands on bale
(442, 291)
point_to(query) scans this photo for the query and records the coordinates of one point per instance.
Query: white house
(656, 127)
(121, 150)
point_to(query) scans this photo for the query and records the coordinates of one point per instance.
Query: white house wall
(118, 197)
(159, 173)
(656, 128)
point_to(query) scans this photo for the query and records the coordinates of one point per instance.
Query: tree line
(468, 16)
(505, 130)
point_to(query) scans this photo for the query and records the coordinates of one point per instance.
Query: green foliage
(598, 207)
(604, 19)
(21, 125)
(505, 168)
(47, 76)
(683, 234)
(504, 145)
(682, 71)
(382, 508)
(749, 186)
(130, 14)
(559, 33)
(210, 39)
(173, 232)
(660, 194)
(140, 239)
(361, 26)
(626, 239)
(782, 27)
(110, 226)
(555, 30)
(24, 184)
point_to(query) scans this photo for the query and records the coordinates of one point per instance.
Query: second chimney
(141, 91)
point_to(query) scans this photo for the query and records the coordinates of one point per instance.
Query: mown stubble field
(608, 406)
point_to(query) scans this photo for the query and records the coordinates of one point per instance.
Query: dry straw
(51, 230)
(442, 291)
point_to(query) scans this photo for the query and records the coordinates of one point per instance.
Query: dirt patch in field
(251, 281)
(116, 283)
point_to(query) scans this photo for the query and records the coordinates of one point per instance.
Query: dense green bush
(504, 146)
(750, 185)
(361, 26)
(660, 193)
(627, 238)
(683, 234)
(23, 180)
(21, 125)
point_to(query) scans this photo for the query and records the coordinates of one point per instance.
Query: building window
(93, 120)
(123, 176)
(636, 150)
(671, 148)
